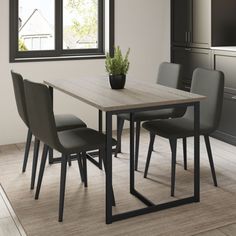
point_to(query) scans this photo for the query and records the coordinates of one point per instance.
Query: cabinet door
(200, 23)
(180, 10)
(181, 56)
(191, 59)
(227, 128)
(199, 58)
(227, 64)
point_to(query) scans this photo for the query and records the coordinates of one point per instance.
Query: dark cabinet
(200, 30)
(203, 23)
(226, 62)
(190, 59)
(227, 128)
(196, 27)
(180, 22)
(191, 21)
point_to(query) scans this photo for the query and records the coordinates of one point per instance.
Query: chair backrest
(170, 74)
(209, 83)
(40, 112)
(18, 86)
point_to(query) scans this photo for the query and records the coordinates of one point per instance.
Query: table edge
(133, 107)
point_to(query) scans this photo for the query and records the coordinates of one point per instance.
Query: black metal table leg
(100, 130)
(109, 168)
(150, 206)
(132, 172)
(196, 152)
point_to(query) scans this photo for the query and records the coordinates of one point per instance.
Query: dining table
(138, 95)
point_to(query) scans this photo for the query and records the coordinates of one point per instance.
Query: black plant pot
(117, 81)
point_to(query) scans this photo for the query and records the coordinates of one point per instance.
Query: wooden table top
(137, 94)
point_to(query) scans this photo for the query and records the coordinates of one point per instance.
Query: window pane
(80, 24)
(36, 25)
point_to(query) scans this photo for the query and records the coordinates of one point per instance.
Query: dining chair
(170, 75)
(43, 126)
(63, 122)
(204, 82)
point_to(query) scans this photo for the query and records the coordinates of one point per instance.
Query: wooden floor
(84, 213)
(9, 223)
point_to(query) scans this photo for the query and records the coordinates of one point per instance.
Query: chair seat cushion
(175, 128)
(148, 115)
(68, 121)
(82, 139)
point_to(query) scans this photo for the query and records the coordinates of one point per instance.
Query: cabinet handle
(188, 49)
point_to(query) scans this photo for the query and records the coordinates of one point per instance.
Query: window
(60, 29)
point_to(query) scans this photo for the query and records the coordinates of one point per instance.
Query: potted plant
(117, 68)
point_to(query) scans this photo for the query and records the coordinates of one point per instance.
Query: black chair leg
(185, 153)
(69, 161)
(208, 146)
(35, 162)
(150, 149)
(120, 125)
(27, 149)
(50, 159)
(173, 145)
(81, 171)
(84, 159)
(137, 144)
(41, 171)
(100, 162)
(62, 186)
(105, 167)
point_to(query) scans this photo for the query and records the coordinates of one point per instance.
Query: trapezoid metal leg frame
(150, 206)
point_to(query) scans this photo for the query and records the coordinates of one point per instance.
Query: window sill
(60, 58)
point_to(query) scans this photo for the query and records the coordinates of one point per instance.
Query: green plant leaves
(117, 65)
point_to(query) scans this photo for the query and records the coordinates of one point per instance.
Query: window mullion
(58, 26)
(13, 29)
(101, 24)
(111, 26)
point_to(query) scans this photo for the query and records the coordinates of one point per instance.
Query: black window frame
(59, 53)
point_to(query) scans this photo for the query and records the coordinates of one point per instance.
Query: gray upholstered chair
(204, 82)
(43, 126)
(63, 122)
(170, 75)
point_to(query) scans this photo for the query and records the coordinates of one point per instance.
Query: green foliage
(117, 65)
(78, 3)
(22, 46)
(87, 25)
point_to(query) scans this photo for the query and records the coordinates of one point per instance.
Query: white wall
(142, 25)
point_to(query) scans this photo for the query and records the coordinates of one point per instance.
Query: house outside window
(36, 33)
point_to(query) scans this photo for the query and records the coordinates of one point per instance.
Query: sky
(26, 8)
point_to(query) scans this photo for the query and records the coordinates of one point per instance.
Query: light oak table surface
(97, 93)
